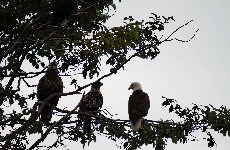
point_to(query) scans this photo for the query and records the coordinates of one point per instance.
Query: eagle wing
(46, 87)
(138, 105)
(92, 101)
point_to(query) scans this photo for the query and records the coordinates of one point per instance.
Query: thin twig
(189, 39)
(167, 39)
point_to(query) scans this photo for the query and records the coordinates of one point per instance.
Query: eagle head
(52, 69)
(96, 85)
(135, 86)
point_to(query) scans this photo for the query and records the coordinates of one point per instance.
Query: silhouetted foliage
(27, 37)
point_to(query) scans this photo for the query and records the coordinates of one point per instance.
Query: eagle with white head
(138, 105)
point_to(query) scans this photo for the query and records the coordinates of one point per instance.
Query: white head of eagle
(135, 86)
(138, 105)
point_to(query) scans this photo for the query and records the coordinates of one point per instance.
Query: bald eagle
(138, 105)
(90, 103)
(49, 84)
(62, 10)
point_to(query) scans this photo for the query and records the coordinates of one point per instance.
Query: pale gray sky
(195, 72)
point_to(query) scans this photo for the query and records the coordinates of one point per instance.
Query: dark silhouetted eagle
(138, 105)
(49, 84)
(90, 103)
(62, 10)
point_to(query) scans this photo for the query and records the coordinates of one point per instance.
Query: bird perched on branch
(138, 105)
(90, 104)
(62, 10)
(49, 84)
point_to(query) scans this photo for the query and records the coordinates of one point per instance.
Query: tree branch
(19, 37)
(189, 39)
(71, 93)
(168, 38)
(54, 125)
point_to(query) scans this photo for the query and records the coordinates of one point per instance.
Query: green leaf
(125, 145)
(35, 128)
(174, 139)
(165, 103)
(161, 27)
(11, 101)
(171, 108)
(101, 128)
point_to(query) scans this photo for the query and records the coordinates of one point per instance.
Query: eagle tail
(87, 125)
(46, 114)
(135, 126)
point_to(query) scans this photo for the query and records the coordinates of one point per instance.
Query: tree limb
(168, 38)
(54, 125)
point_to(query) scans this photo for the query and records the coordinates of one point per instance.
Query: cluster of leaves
(202, 118)
(26, 34)
(155, 133)
(81, 44)
(118, 43)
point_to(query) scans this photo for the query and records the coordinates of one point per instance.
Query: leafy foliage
(81, 47)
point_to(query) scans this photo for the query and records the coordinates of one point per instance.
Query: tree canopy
(81, 47)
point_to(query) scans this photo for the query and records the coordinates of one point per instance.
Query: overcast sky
(195, 72)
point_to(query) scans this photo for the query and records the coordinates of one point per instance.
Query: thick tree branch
(54, 125)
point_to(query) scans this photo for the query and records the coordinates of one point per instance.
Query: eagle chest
(93, 101)
(49, 85)
(53, 83)
(138, 105)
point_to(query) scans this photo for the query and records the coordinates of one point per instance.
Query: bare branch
(28, 83)
(189, 39)
(168, 38)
